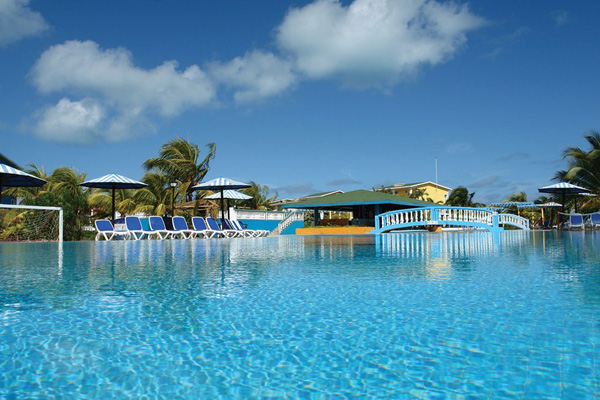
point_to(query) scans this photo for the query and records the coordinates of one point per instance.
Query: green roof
(357, 197)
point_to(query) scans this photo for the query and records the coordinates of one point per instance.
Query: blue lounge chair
(248, 232)
(106, 229)
(594, 220)
(575, 222)
(180, 225)
(202, 229)
(258, 232)
(135, 228)
(157, 224)
(225, 232)
(240, 231)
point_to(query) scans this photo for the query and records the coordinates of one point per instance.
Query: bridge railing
(467, 214)
(437, 216)
(514, 220)
(404, 217)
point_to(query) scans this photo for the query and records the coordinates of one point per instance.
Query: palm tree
(64, 191)
(260, 197)
(418, 194)
(583, 170)
(102, 200)
(179, 160)
(584, 166)
(31, 192)
(154, 198)
(520, 197)
(460, 197)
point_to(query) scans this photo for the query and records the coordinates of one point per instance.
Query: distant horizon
(308, 96)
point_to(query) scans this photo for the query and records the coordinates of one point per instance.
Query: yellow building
(430, 191)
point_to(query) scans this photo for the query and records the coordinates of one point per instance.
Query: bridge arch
(481, 218)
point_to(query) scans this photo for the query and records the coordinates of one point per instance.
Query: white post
(60, 225)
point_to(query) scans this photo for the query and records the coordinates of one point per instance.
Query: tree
(179, 160)
(520, 197)
(418, 194)
(460, 197)
(260, 197)
(583, 170)
(154, 198)
(421, 194)
(30, 192)
(102, 200)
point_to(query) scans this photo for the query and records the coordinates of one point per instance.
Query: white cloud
(368, 43)
(71, 121)
(82, 67)
(129, 94)
(18, 21)
(255, 75)
(373, 42)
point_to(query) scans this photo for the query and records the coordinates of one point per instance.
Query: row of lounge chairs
(155, 228)
(577, 221)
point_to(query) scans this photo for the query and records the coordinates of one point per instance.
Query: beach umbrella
(12, 177)
(548, 205)
(229, 194)
(113, 181)
(220, 184)
(563, 188)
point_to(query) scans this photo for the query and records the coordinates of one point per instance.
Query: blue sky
(304, 96)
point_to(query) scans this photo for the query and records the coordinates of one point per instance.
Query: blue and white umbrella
(220, 184)
(229, 194)
(12, 177)
(563, 188)
(114, 181)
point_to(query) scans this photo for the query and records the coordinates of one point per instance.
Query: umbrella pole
(563, 198)
(228, 217)
(222, 209)
(113, 205)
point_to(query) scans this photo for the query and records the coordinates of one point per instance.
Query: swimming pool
(452, 315)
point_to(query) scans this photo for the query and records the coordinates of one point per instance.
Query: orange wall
(333, 230)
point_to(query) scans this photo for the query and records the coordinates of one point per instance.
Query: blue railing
(481, 218)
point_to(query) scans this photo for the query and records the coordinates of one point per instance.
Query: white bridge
(481, 218)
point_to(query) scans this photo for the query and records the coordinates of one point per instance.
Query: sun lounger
(225, 232)
(180, 225)
(200, 228)
(105, 229)
(253, 232)
(136, 230)
(575, 222)
(241, 232)
(157, 224)
(595, 220)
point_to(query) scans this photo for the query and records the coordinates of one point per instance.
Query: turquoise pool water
(453, 315)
